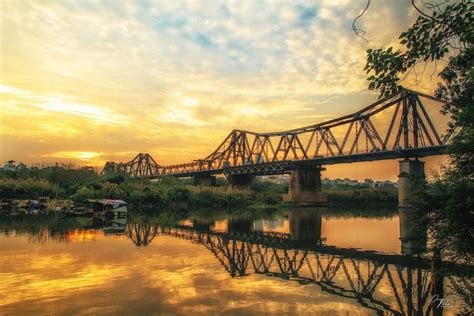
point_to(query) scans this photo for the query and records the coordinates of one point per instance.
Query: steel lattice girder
(406, 131)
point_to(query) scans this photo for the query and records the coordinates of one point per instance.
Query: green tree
(82, 194)
(443, 31)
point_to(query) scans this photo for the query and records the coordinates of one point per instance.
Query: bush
(260, 186)
(28, 188)
(363, 196)
(166, 192)
(64, 178)
(117, 179)
(111, 190)
(84, 193)
(216, 197)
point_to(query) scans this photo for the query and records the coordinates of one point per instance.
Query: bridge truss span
(394, 127)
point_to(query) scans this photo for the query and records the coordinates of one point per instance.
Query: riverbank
(198, 245)
(167, 192)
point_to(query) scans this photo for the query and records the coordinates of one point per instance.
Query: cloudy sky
(90, 81)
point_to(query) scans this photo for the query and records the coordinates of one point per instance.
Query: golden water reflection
(293, 263)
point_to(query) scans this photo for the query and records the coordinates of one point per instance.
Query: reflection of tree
(42, 229)
(464, 289)
(43, 235)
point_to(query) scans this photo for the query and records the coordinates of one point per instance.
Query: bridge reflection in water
(385, 283)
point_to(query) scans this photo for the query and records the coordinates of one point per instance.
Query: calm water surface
(304, 261)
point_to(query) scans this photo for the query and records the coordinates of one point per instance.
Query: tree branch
(360, 32)
(421, 12)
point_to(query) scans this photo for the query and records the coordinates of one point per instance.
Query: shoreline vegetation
(78, 185)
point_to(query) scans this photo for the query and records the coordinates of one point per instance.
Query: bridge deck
(281, 167)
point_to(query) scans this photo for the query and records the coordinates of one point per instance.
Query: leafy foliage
(448, 32)
(448, 204)
(28, 188)
(67, 179)
(361, 197)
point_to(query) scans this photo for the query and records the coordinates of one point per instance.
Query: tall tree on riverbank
(442, 31)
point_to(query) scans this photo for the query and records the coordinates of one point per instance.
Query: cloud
(177, 76)
(59, 103)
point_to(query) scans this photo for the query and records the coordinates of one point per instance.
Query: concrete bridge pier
(240, 181)
(204, 180)
(412, 235)
(411, 171)
(304, 186)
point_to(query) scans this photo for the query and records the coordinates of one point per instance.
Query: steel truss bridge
(395, 127)
(387, 284)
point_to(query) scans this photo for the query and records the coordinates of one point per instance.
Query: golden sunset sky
(98, 80)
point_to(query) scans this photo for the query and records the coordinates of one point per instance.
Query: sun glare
(83, 155)
(87, 155)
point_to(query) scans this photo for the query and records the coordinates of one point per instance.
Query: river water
(302, 261)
